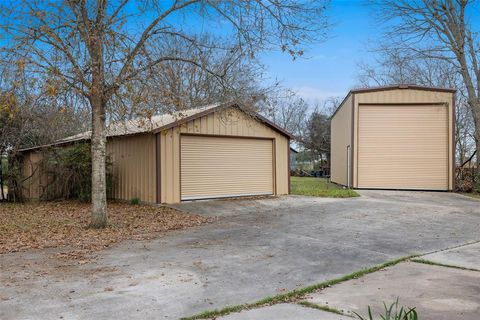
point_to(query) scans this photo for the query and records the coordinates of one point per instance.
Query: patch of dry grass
(65, 224)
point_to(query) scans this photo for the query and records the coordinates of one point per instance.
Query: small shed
(395, 137)
(211, 152)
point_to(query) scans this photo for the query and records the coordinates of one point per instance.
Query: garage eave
(402, 87)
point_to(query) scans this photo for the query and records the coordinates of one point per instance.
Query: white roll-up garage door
(403, 147)
(216, 167)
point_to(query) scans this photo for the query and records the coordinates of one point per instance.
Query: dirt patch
(65, 224)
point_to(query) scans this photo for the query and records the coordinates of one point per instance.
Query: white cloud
(315, 94)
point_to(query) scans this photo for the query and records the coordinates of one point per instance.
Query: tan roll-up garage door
(403, 147)
(215, 167)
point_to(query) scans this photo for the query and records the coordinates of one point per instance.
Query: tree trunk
(98, 145)
(98, 102)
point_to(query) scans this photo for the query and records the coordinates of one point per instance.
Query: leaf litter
(65, 225)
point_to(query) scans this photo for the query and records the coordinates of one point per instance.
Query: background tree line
(67, 67)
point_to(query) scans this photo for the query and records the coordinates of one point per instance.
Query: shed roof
(392, 87)
(402, 86)
(159, 123)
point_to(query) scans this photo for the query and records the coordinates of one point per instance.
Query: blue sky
(329, 68)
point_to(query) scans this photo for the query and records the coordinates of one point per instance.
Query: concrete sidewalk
(437, 292)
(465, 257)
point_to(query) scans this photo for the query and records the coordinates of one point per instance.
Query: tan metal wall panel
(31, 169)
(282, 171)
(229, 122)
(170, 172)
(405, 96)
(341, 136)
(403, 147)
(221, 166)
(134, 168)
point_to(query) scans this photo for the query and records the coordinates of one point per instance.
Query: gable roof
(401, 86)
(160, 123)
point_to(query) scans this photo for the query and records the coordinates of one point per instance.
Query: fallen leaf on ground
(65, 224)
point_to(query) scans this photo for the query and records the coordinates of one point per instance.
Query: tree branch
(146, 34)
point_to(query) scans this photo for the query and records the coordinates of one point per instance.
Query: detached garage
(212, 152)
(396, 137)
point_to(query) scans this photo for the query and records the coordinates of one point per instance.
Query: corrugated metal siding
(230, 122)
(405, 97)
(134, 168)
(220, 166)
(31, 187)
(341, 136)
(403, 147)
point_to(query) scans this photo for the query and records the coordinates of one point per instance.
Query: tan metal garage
(221, 153)
(211, 152)
(397, 137)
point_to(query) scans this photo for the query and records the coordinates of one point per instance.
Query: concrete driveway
(257, 248)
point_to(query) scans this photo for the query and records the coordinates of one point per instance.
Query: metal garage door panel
(403, 147)
(213, 167)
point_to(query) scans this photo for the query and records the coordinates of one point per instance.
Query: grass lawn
(38, 225)
(319, 187)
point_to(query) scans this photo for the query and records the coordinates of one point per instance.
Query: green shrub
(135, 201)
(392, 313)
(13, 178)
(68, 172)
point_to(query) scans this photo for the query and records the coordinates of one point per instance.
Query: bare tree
(391, 66)
(442, 30)
(316, 132)
(176, 85)
(287, 109)
(30, 115)
(98, 47)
